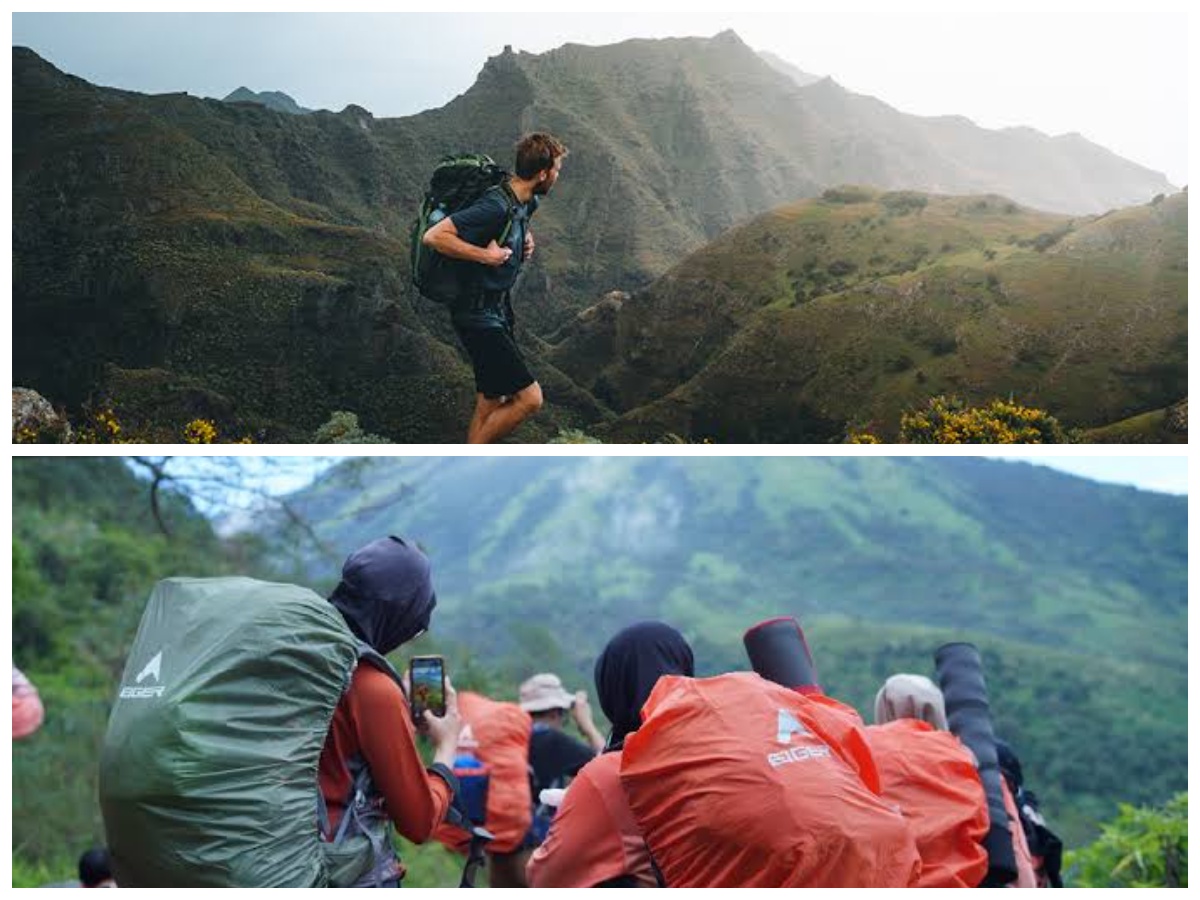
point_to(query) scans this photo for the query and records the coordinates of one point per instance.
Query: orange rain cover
(502, 731)
(932, 778)
(738, 782)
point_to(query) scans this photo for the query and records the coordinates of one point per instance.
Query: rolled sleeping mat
(779, 653)
(960, 675)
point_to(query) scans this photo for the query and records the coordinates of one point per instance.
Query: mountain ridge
(155, 233)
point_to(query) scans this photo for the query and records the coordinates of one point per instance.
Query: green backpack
(457, 182)
(208, 772)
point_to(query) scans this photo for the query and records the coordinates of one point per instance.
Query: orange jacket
(593, 837)
(932, 778)
(373, 720)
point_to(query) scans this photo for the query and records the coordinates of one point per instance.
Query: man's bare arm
(443, 237)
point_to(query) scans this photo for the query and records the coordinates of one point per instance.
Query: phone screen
(427, 677)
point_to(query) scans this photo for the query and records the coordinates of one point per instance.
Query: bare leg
(483, 410)
(498, 419)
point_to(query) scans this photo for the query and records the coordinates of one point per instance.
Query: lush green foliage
(1141, 847)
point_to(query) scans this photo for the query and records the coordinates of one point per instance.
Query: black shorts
(500, 370)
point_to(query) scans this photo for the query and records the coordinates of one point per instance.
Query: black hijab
(386, 593)
(628, 669)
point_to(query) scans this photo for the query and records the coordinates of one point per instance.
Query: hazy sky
(1164, 474)
(1118, 78)
(282, 475)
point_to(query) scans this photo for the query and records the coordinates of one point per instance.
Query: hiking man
(506, 392)
(554, 755)
(386, 597)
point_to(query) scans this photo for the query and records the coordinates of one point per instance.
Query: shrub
(947, 420)
(903, 202)
(1141, 847)
(847, 194)
(573, 436)
(343, 428)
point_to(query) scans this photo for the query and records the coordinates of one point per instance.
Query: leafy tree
(1141, 847)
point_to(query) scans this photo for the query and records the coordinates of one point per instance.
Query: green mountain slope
(851, 308)
(1075, 591)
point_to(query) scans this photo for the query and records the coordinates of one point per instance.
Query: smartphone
(427, 680)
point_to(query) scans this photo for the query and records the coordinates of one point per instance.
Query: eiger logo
(153, 670)
(789, 727)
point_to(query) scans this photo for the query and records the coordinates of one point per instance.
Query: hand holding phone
(427, 686)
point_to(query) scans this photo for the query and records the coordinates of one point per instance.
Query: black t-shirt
(555, 756)
(481, 223)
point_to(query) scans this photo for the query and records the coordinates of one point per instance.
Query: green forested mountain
(1076, 593)
(850, 308)
(186, 257)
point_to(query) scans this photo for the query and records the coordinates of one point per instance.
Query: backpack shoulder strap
(511, 203)
(375, 659)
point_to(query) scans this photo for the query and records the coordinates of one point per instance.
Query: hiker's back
(931, 776)
(738, 782)
(207, 774)
(500, 732)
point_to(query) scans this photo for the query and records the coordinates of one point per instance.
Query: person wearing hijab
(594, 840)
(386, 597)
(904, 698)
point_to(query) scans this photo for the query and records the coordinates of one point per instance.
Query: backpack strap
(511, 203)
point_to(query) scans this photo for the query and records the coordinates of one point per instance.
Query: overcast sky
(281, 475)
(1118, 78)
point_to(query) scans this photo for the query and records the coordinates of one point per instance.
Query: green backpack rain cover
(208, 774)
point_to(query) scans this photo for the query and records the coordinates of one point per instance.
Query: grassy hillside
(849, 309)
